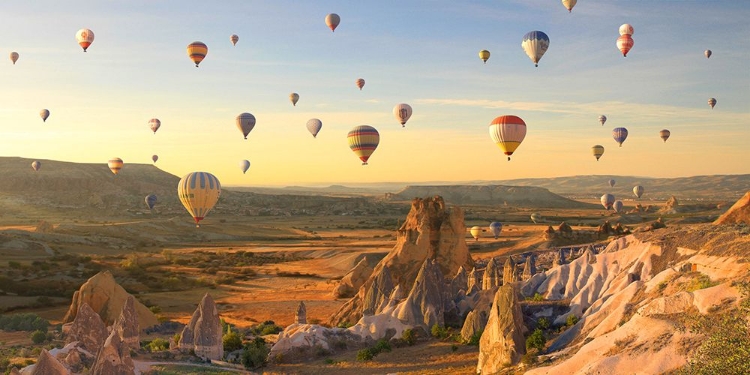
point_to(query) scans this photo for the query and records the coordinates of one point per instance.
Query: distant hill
(523, 196)
(332, 190)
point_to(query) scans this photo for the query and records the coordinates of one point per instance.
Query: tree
(536, 340)
(232, 341)
(38, 337)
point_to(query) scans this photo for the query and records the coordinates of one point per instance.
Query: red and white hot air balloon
(508, 132)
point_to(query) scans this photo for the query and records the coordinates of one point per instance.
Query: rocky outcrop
(492, 275)
(47, 364)
(107, 298)
(502, 342)
(353, 280)
(509, 271)
(127, 324)
(114, 357)
(301, 316)
(474, 324)
(424, 306)
(378, 293)
(559, 258)
(459, 281)
(671, 207)
(473, 280)
(738, 213)
(88, 329)
(203, 334)
(529, 268)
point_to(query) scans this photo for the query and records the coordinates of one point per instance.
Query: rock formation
(203, 334)
(424, 306)
(473, 280)
(671, 206)
(353, 280)
(549, 233)
(301, 316)
(88, 329)
(127, 324)
(738, 213)
(529, 269)
(378, 293)
(102, 293)
(492, 276)
(565, 229)
(48, 365)
(559, 258)
(502, 342)
(509, 271)
(114, 357)
(474, 324)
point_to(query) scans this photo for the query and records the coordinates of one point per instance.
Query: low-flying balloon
(664, 134)
(150, 201)
(617, 206)
(712, 102)
(154, 158)
(234, 38)
(475, 231)
(402, 112)
(85, 37)
(35, 165)
(333, 20)
(535, 43)
(115, 164)
(611, 183)
(484, 55)
(598, 151)
(638, 190)
(313, 126)
(154, 124)
(536, 218)
(496, 227)
(508, 132)
(707, 53)
(624, 44)
(199, 192)
(294, 98)
(360, 83)
(245, 122)
(602, 119)
(363, 140)
(244, 166)
(569, 4)
(14, 57)
(607, 200)
(197, 51)
(620, 134)
(44, 114)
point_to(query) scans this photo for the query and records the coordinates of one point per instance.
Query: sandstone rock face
(424, 306)
(114, 357)
(88, 329)
(459, 281)
(127, 324)
(474, 324)
(502, 342)
(203, 334)
(492, 275)
(671, 206)
(509, 271)
(353, 280)
(102, 293)
(738, 213)
(48, 365)
(378, 293)
(473, 280)
(529, 269)
(559, 258)
(301, 316)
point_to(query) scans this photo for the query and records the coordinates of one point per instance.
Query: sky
(424, 53)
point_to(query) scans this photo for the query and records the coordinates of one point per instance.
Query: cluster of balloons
(609, 202)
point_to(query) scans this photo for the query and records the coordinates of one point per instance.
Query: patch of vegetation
(474, 339)
(365, 355)
(344, 324)
(536, 298)
(543, 323)
(440, 332)
(266, 328)
(409, 337)
(157, 345)
(571, 320)
(187, 370)
(536, 340)
(700, 282)
(231, 341)
(38, 337)
(297, 274)
(23, 322)
(255, 354)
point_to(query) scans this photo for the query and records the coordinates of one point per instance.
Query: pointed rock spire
(203, 334)
(509, 271)
(301, 316)
(529, 269)
(492, 275)
(48, 365)
(88, 329)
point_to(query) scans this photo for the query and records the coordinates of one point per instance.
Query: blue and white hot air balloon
(151, 201)
(496, 227)
(620, 134)
(535, 43)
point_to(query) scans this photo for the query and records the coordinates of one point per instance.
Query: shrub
(365, 355)
(543, 323)
(454, 348)
(529, 358)
(439, 332)
(381, 346)
(266, 328)
(344, 324)
(38, 337)
(571, 320)
(255, 354)
(231, 341)
(409, 337)
(157, 345)
(537, 297)
(536, 340)
(474, 339)
(700, 282)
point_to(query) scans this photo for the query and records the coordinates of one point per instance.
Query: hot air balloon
(198, 192)
(363, 140)
(484, 55)
(14, 57)
(712, 102)
(626, 29)
(708, 53)
(234, 38)
(313, 126)
(44, 114)
(536, 218)
(360, 83)
(624, 44)
(598, 151)
(35, 165)
(244, 165)
(333, 20)
(617, 206)
(508, 132)
(154, 124)
(620, 134)
(569, 4)
(608, 200)
(85, 37)
(638, 190)
(475, 231)
(115, 164)
(154, 158)
(402, 112)
(246, 123)
(535, 43)
(150, 201)
(294, 97)
(602, 119)
(496, 227)
(664, 134)
(611, 183)
(197, 52)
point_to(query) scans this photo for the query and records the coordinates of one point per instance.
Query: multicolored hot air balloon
(234, 38)
(620, 134)
(508, 132)
(35, 165)
(598, 151)
(150, 201)
(664, 134)
(85, 37)
(611, 183)
(44, 114)
(14, 57)
(245, 122)
(707, 53)
(535, 43)
(363, 140)
(294, 98)
(602, 119)
(569, 4)
(617, 206)
(638, 190)
(402, 112)
(244, 166)
(496, 227)
(154, 158)
(199, 192)
(712, 102)
(333, 20)
(154, 124)
(115, 164)
(360, 83)
(197, 51)
(536, 218)
(475, 231)
(484, 55)
(313, 126)
(607, 201)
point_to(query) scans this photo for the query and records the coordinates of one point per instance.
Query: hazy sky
(419, 52)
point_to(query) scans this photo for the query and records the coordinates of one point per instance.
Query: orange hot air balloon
(508, 132)
(115, 164)
(624, 44)
(333, 20)
(197, 52)
(85, 37)
(363, 140)
(360, 83)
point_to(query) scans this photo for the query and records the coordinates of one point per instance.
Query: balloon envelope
(607, 200)
(484, 55)
(14, 57)
(150, 201)
(35, 165)
(402, 112)
(617, 206)
(712, 102)
(638, 190)
(85, 37)
(569, 4)
(598, 151)
(244, 166)
(154, 158)
(44, 114)
(154, 124)
(602, 119)
(294, 97)
(611, 183)
(363, 140)
(475, 231)
(620, 134)
(333, 20)
(115, 164)
(708, 53)
(664, 134)
(313, 126)
(197, 51)
(535, 217)
(535, 43)
(234, 38)
(624, 44)
(496, 227)
(508, 132)
(626, 29)
(199, 192)
(360, 83)
(245, 122)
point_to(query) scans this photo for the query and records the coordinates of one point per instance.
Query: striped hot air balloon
(199, 192)
(602, 119)
(569, 4)
(197, 51)
(638, 190)
(14, 57)
(484, 55)
(475, 232)
(332, 21)
(535, 43)
(598, 151)
(664, 134)
(313, 126)
(115, 164)
(44, 114)
(234, 38)
(508, 132)
(245, 122)
(496, 227)
(360, 83)
(402, 112)
(607, 201)
(620, 134)
(85, 37)
(363, 140)
(154, 124)
(624, 44)
(35, 165)
(712, 102)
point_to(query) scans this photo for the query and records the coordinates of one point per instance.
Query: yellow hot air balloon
(198, 192)
(197, 52)
(508, 132)
(484, 55)
(115, 164)
(569, 4)
(85, 37)
(475, 231)
(598, 151)
(363, 140)
(294, 97)
(14, 57)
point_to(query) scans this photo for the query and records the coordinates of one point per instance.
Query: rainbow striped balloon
(197, 52)
(363, 140)
(199, 192)
(508, 132)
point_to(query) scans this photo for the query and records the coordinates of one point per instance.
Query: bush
(157, 345)
(38, 337)
(266, 328)
(23, 322)
(537, 297)
(439, 332)
(232, 341)
(474, 339)
(536, 340)
(381, 346)
(155, 309)
(571, 320)
(255, 354)
(543, 323)
(409, 337)
(365, 355)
